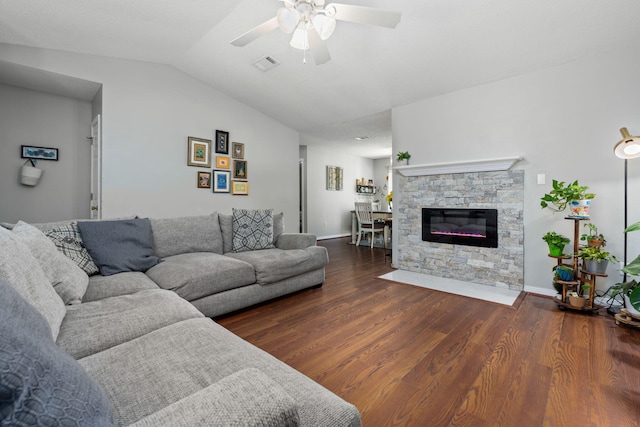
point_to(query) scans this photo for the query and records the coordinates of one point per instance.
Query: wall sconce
(30, 174)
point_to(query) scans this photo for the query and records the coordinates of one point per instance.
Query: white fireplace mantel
(488, 165)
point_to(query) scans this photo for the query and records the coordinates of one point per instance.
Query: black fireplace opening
(471, 227)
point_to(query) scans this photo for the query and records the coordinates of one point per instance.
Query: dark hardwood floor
(410, 356)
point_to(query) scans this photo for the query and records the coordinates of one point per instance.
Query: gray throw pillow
(69, 281)
(119, 246)
(252, 229)
(226, 226)
(39, 383)
(20, 268)
(68, 240)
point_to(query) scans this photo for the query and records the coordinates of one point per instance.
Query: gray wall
(36, 118)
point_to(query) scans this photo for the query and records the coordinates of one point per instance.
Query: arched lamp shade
(628, 147)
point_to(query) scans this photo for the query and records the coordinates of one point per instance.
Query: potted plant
(563, 195)
(556, 242)
(563, 272)
(595, 259)
(593, 238)
(630, 290)
(404, 155)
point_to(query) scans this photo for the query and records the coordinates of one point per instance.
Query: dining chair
(366, 223)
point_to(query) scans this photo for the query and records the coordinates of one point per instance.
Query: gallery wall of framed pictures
(230, 177)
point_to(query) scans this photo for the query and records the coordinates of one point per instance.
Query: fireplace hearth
(470, 227)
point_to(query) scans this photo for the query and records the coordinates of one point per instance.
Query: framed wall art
(199, 152)
(222, 162)
(204, 179)
(334, 178)
(39, 153)
(240, 188)
(222, 142)
(240, 169)
(237, 150)
(221, 181)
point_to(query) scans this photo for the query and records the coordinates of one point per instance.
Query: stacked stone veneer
(500, 267)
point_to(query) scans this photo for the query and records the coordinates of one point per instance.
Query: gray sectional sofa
(138, 347)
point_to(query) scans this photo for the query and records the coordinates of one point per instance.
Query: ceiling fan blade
(365, 15)
(318, 48)
(258, 31)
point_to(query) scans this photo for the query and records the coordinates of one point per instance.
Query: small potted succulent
(556, 242)
(595, 259)
(573, 195)
(593, 238)
(404, 155)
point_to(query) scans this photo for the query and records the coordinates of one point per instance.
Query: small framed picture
(240, 188)
(204, 179)
(39, 153)
(199, 152)
(237, 150)
(222, 142)
(222, 162)
(240, 169)
(221, 181)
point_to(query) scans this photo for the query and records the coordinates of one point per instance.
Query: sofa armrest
(296, 240)
(247, 397)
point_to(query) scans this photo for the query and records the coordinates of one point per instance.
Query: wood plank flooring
(409, 356)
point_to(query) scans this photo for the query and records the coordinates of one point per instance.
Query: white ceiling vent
(265, 63)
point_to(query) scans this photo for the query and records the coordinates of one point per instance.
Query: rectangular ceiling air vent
(265, 63)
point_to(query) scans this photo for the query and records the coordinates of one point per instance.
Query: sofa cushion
(101, 287)
(20, 268)
(39, 383)
(174, 236)
(95, 326)
(199, 274)
(68, 240)
(174, 362)
(69, 281)
(226, 227)
(272, 265)
(121, 245)
(245, 398)
(252, 229)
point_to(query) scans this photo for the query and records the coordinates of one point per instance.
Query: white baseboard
(540, 291)
(335, 236)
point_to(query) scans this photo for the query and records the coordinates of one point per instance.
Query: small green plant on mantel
(630, 289)
(593, 238)
(404, 155)
(559, 197)
(556, 242)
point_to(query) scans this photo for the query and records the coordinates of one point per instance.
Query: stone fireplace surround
(501, 267)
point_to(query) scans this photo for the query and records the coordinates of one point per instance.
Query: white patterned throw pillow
(68, 240)
(252, 229)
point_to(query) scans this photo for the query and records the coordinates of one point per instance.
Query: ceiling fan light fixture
(300, 39)
(628, 147)
(324, 25)
(288, 19)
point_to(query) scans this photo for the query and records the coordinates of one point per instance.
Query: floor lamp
(627, 148)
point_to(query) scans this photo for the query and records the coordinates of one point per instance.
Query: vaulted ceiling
(439, 46)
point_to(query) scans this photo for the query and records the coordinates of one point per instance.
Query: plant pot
(30, 175)
(594, 243)
(557, 286)
(593, 266)
(579, 208)
(555, 250)
(577, 302)
(565, 275)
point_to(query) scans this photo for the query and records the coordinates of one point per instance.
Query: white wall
(149, 110)
(29, 117)
(564, 121)
(329, 212)
(381, 173)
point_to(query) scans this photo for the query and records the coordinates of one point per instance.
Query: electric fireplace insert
(471, 227)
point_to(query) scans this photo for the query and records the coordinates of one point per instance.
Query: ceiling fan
(311, 23)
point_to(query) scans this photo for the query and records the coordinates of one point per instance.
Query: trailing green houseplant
(630, 290)
(562, 194)
(593, 238)
(556, 242)
(596, 260)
